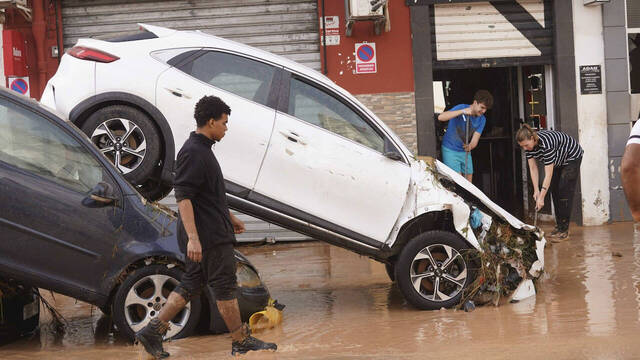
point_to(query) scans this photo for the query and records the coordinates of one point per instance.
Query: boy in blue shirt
(455, 148)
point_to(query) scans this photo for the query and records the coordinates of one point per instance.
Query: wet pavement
(343, 306)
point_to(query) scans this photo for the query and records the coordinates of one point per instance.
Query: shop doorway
(497, 161)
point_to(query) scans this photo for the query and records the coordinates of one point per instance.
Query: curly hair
(484, 97)
(210, 107)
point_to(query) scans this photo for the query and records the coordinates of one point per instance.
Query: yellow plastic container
(265, 319)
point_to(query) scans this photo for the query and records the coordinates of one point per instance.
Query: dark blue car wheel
(142, 295)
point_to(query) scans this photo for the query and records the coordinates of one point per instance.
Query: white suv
(300, 152)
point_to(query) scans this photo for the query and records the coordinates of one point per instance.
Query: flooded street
(341, 305)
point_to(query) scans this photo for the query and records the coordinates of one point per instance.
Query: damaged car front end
(454, 244)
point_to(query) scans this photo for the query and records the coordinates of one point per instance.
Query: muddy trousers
(563, 187)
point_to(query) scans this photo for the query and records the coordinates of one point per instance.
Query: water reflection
(598, 276)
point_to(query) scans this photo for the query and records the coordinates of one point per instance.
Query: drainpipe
(39, 27)
(58, 32)
(324, 40)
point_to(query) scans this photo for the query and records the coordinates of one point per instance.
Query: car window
(317, 107)
(32, 143)
(243, 77)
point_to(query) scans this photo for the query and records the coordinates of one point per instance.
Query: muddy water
(340, 305)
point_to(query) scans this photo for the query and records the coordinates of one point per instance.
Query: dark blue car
(70, 223)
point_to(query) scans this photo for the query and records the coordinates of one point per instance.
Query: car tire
(430, 287)
(118, 119)
(106, 310)
(143, 293)
(391, 271)
(153, 190)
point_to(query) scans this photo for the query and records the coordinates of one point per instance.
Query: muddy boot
(562, 236)
(248, 342)
(555, 232)
(151, 338)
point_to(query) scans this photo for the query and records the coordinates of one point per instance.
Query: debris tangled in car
(505, 257)
(508, 254)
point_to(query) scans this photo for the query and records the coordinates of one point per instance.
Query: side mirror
(100, 195)
(393, 155)
(390, 151)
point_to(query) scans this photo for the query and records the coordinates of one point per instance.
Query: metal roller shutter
(633, 14)
(492, 33)
(283, 27)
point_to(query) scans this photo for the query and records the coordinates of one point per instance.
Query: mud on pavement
(343, 306)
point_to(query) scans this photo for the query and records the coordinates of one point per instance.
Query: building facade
(555, 64)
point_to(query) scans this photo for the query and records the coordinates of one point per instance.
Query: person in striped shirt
(561, 155)
(630, 171)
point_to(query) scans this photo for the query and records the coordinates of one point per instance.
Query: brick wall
(398, 111)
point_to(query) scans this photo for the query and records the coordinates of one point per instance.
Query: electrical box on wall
(595, 2)
(15, 61)
(14, 54)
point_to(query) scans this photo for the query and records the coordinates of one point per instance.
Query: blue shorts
(455, 160)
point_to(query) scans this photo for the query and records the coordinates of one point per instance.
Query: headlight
(247, 277)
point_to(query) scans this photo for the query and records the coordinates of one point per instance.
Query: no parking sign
(19, 84)
(366, 58)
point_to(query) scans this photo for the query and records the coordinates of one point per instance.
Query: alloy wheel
(438, 272)
(147, 297)
(122, 141)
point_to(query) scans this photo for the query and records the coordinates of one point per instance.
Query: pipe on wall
(39, 27)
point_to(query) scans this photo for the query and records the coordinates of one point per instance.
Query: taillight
(85, 53)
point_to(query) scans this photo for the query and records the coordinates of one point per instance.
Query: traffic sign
(19, 85)
(366, 58)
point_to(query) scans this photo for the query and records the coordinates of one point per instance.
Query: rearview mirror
(100, 195)
(393, 155)
(390, 151)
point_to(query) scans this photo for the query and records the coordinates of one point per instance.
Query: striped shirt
(634, 137)
(555, 147)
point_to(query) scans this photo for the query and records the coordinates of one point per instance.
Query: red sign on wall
(14, 54)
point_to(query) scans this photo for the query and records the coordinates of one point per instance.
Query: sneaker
(555, 232)
(151, 338)
(561, 236)
(251, 344)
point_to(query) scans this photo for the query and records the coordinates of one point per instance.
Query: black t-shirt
(199, 179)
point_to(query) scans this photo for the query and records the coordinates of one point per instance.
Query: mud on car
(301, 152)
(72, 224)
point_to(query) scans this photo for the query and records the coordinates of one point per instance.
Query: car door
(245, 85)
(326, 159)
(50, 231)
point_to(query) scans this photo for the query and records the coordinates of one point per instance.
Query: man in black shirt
(206, 230)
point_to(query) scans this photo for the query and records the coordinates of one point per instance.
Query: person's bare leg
(230, 312)
(469, 177)
(173, 306)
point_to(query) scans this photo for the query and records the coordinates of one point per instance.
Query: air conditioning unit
(363, 9)
(360, 10)
(6, 4)
(17, 4)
